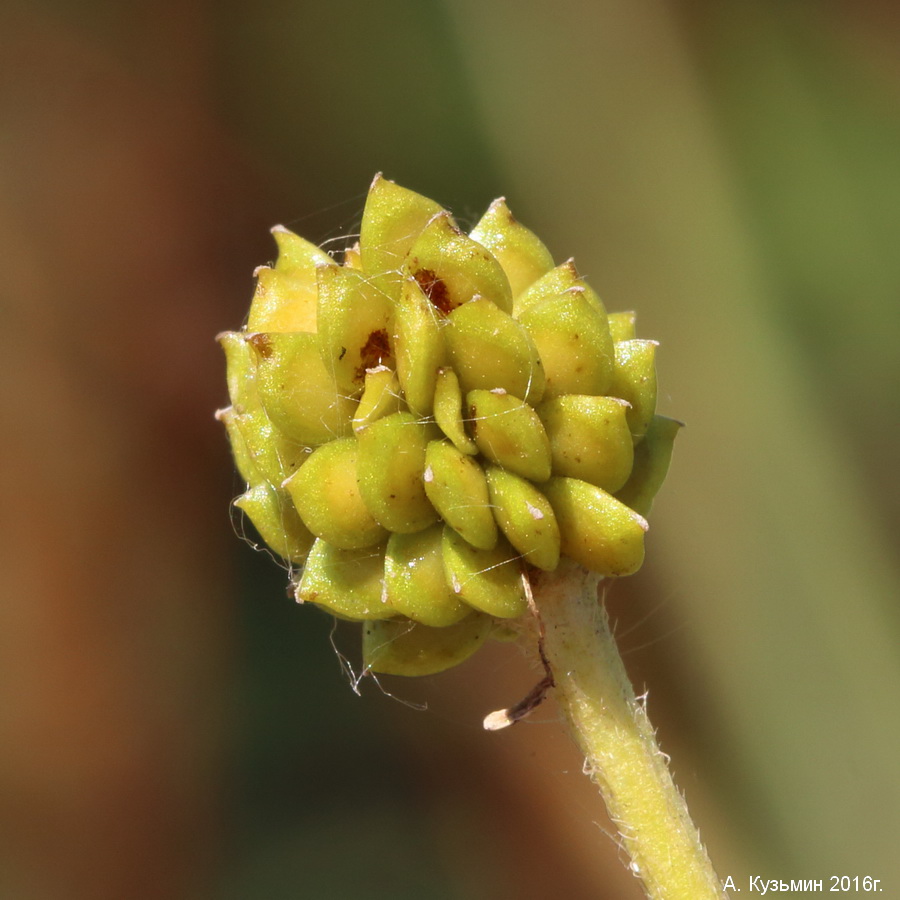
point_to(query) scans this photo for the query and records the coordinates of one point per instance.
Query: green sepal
(448, 401)
(488, 580)
(401, 647)
(276, 520)
(419, 347)
(285, 298)
(589, 439)
(622, 325)
(347, 583)
(415, 584)
(518, 249)
(353, 326)
(574, 342)
(380, 397)
(392, 220)
(509, 433)
(456, 486)
(489, 349)
(596, 530)
(300, 396)
(634, 380)
(326, 495)
(390, 467)
(526, 517)
(451, 268)
(651, 464)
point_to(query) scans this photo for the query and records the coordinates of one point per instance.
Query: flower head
(422, 423)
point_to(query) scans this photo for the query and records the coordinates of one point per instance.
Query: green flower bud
(392, 220)
(261, 451)
(421, 425)
(596, 530)
(557, 281)
(348, 583)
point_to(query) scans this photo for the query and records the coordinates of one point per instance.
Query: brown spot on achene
(375, 351)
(435, 290)
(261, 343)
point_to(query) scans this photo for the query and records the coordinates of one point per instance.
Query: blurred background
(171, 724)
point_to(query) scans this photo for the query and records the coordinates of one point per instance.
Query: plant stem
(612, 729)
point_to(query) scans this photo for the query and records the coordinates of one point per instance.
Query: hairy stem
(612, 730)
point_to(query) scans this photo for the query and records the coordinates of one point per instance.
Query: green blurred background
(171, 724)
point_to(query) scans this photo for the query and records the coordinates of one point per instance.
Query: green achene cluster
(426, 422)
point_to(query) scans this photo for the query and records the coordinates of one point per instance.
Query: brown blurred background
(171, 725)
